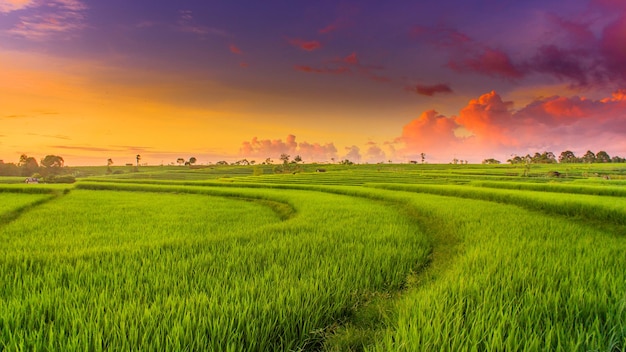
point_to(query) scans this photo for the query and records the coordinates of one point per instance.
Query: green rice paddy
(357, 258)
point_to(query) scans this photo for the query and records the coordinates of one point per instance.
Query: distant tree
(515, 160)
(222, 162)
(346, 162)
(52, 161)
(491, 161)
(285, 158)
(455, 161)
(180, 161)
(617, 159)
(297, 159)
(568, 157)
(192, 160)
(28, 165)
(603, 157)
(589, 157)
(268, 161)
(423, 155)
(109, 162)
(9, 169)
(252, 162)
(138, 157)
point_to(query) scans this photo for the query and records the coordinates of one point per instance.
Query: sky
(369, 81)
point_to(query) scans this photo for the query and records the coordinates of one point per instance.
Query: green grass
(147, 270)
(368, 257)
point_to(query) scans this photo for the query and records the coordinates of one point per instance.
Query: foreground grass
(164, 271)
(522, 281)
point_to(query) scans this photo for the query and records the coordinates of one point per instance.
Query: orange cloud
(548, 124)
(305, 45)
(488, 118)
(429, 131)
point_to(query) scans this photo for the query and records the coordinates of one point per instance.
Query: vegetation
(387, 257)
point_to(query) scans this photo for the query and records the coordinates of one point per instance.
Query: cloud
(563, 64)
(429, 131)
(324, 70)
(571, 51)
(353, 154)
(57, 136)
(305, 45)
(375, 154)
(613, 48)
(490, 62)
(429, 90)
(316, 151)
(491, 125)
(351, 59)
(113, 148)
(187, 24)
(266, 148)
(53, 18)
(7, 6)
(234, 49)
(328, 29)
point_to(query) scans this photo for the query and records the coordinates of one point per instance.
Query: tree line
(51, 168)
(566, 157)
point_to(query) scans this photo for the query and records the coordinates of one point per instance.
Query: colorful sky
(366, 80)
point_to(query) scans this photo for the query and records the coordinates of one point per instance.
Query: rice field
(357, 258)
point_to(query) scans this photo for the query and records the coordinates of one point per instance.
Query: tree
(268, 161)
(109, 162)
(589, 157)
(28, 164)
(603, 157)
(297, 159)
(138, 157)
(51, 161)
(491, 161)
(568, 157)
(192, 160)
(285, 158)
(180, 161)
(423, 155)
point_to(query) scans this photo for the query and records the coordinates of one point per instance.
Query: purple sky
(369, 80)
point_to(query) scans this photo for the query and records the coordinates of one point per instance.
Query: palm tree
(138, 158)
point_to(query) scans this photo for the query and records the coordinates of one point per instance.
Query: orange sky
(365, 81)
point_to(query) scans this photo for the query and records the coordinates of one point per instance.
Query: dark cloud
(429, 90)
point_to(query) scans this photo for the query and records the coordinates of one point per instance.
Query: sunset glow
(364, 80)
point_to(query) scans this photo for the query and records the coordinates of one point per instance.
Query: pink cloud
(305, 45)
(54, 18)
(234, 49)
(351, 59)
(490, 62)
(274, 148)
(328, 29)
(429, 90)
(14, 5)
(353, 154)
(613, 47)
(548, 124)
(324, 70)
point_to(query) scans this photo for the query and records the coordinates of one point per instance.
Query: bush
(60, 179)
